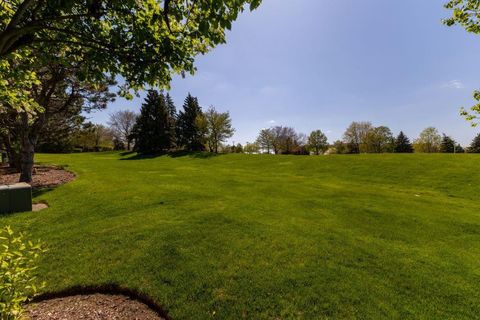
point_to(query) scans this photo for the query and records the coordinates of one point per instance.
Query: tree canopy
(144, 41)
(466, 13)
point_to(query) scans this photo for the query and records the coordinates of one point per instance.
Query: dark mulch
(43, 176)
(92, 307)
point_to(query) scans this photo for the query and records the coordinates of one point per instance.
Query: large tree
(122, 122)
(190, 135)
(475, 145)
(379, 140)
(265, 140)
(448, 145)
(317, 141)
(428, 141)
(355, 136)
(287, 140)
(60, 94)
(402, 144)
(153, 131)
(217, 127)
(144, 41)
(466, 13)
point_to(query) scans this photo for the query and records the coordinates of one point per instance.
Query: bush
(18, 259)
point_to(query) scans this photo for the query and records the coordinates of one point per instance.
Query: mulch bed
(92, 307)
(43, 176)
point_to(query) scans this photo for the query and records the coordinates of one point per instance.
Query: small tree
(218, 128)
(429, 141)
(402, 144)
(251, 148)
(339, 147)
(122, 122)
(18, 283)
(265, 140)
(317, 141)
(447, 145)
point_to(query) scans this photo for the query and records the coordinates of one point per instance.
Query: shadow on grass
(174, 154)
(109, 289)
(37, 192)
(127, 153)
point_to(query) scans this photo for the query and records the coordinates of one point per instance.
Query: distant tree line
(359, 137)
(159, 128)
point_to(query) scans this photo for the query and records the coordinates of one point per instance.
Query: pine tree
(173, 116)
(475, 145)
(153, 127)
(402, 144)
(171, 106)
(447, 145)
(189, 135)
(459, 149)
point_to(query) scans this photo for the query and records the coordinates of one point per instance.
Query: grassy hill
(270, 237)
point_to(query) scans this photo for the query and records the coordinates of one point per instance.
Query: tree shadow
(37, 192)
(172, 154)
(127, 153)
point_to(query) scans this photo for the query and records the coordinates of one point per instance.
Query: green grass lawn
(269, 237)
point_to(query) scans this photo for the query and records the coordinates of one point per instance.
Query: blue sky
(321, 64)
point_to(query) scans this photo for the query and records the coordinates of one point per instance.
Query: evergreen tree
(173, 116)
(189, 134)
(475, 145)
(447, 145)
(171, 106)
(402, 144)
(459, 149)
(153, 127)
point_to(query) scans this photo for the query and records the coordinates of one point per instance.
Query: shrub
(18, 258)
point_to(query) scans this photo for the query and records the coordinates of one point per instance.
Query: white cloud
(454, 84)
(272, 122)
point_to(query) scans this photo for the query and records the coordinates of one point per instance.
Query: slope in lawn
(269, 237)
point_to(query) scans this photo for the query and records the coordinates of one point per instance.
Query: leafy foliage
(18, 283)
(429, 141)
(466, 13)
(265, 140)
(378, 140)
(217, 127)
(145, 42)
(317, 141)
(355, 136)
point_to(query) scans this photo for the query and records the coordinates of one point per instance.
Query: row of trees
(159, 127)
(58, 56)
(359, 137)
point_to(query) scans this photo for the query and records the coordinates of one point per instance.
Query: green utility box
(15, 198)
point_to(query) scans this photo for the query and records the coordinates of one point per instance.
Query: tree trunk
(28, 139)
(28, 152)
(12, 154)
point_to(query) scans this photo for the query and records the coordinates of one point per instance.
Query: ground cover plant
(392, 236)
